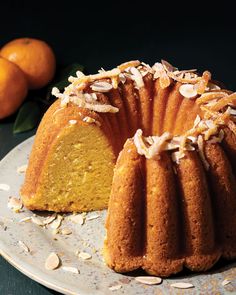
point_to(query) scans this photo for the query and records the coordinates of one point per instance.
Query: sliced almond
(22, 168)
(70, 269)
(84, 255)
(66, 231)
(182, 285)
(37, 221)
(78, 219)
(52, 262)
(57, 222)
(101, 86)
(23, 246)
(188, 90)
(25, 219)
(4, 187)
(14, 203)
(94, 216)
(225, 282)
(148, 280)
(50, 219)
(114, 288)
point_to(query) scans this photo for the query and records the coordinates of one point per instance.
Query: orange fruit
(35, 58)
(13, 87)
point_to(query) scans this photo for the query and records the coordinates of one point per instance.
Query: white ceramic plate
(94, 277)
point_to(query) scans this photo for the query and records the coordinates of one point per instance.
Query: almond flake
(25, 219)
(70, 269)
(148, 280)
(89, 120)
(57, 222)
(78, 218)
(23, 246)
(114, 288)
(101, 86)
(37, 221)
(188, 90)
(94, 216)
(84, 255)
(14, 204)
(4, 187)
(225, 282)
(22, 168)
(66, 231)
(52, 262)
(182, 285)
(50, 219)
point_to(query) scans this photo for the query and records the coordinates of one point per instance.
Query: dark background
(193, 34)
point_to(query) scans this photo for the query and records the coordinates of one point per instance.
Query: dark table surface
(12, 282)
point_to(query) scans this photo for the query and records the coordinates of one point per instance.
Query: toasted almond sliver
(188, 90)
(37, 221)
(23, 246)
(225, 282)
(72, 122)
(78, 219)
(114, 288)
(14, 203)
(66, 231)
(70, 269)
(101, 86)
(94, 216)
(50, 219)
(85, 255)
(182, 285)
(148, 280)
(57, 222)
(25, 219)
(4, 187)
(22, 168)
(52, 262)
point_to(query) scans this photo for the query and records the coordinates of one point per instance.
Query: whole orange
(13, 87)
(35, 58)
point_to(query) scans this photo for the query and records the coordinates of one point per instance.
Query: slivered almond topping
(78, 218)
(167, 66)
(176, 156)
(101, 86)
(84, 255)
(225, 282)
(182, 285)
(23, 246)
(188, 90)
(52, 262)
(37, 221)
(22, 168)
(4, 187)
(57, 222)
(224, 101)
(129, 64)
(50, 219)
(136, 77)
(70, 269)
(94, 216)
(148, 280)
(25, 219)
(66, 231)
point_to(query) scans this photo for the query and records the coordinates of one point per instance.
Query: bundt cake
(173, 193)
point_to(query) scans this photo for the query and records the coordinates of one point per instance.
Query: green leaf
(27, 117)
